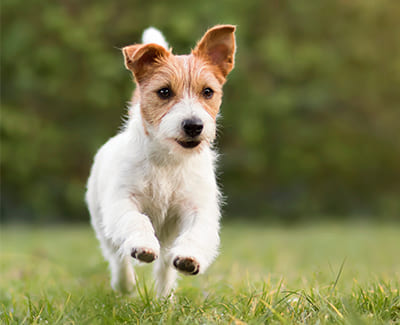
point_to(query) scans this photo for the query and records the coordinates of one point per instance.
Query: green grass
(346, 274)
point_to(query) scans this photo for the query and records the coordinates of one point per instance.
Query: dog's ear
(142, 59)
(218, 47)
(128, 52)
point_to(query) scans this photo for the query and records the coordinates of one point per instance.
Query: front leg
(129, 230)
(197, 244)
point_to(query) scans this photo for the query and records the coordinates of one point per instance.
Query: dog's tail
(153, 35)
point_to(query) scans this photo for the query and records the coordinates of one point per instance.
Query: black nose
(192, 127)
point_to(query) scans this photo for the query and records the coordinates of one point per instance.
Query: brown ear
(218, 47)
(141, 59)
(128, 52)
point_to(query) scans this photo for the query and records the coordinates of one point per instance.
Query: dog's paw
(142, 254)
(187, 265)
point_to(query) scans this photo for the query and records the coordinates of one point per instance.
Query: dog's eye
(164, 93)
(207, 93)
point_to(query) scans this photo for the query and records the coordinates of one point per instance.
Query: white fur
(170, 126)
(153, 35)
(145, 190)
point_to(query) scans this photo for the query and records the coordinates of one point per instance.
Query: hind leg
(165, 276)
(122, 273)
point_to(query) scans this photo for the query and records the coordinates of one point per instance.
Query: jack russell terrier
(152, 192)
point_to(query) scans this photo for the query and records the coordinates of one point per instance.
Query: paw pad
(187, 265)
(144, 254)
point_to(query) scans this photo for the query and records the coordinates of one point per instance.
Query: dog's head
(180, 95)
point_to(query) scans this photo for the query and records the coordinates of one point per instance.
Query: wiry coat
(152, 192)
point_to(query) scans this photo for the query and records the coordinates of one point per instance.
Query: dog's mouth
(189, 144)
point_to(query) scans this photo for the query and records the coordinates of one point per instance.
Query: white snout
(172, 124)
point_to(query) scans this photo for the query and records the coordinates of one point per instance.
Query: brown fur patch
(207, 66)
(218, 47)
(185, 76)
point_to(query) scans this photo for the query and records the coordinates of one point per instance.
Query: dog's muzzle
(188, 144)
(192, 128)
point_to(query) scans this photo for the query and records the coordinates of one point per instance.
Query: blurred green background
(311, 113)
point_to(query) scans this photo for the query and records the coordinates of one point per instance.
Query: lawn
(315, 274)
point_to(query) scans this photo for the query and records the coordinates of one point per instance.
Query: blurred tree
(310, 115)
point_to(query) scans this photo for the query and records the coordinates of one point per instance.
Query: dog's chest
(162, 194)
